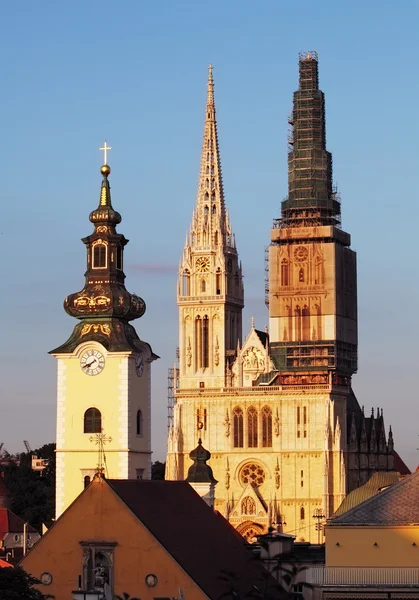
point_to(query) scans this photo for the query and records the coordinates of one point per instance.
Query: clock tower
(104, 369)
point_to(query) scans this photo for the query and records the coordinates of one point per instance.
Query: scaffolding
(172, 386)
(267, 276)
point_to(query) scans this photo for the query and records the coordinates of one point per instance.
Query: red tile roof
(4, 564)
(199, 539)
(11, 523)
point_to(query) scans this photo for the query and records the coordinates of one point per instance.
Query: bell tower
(104, 369)
(210, 286)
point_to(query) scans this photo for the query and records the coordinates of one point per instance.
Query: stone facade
(287, 436)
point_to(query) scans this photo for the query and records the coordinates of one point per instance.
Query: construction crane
(28, 448)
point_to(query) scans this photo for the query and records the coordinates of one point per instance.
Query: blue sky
(135, 73)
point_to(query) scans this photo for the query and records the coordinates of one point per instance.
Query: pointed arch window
(302, 513)
(202, 341)
(252, 427)
(206, 209)
(214, 209)
(92, 421)
(212, 184)
(216, 238)
(285, 272)
(208, 170)
(218, 277)
(203, 285)
(100, 252)
(207, 183)
(301, 275)
(186, 283)
(238, 427)
(266, 427)
(306, 322)
(297, 314)
(139, 422)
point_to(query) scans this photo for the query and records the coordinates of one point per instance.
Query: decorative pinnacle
(210, 85)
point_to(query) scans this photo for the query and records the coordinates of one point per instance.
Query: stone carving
(217, 352)
(227, 424)
(189, 353)
(253, 360)
(276, 423)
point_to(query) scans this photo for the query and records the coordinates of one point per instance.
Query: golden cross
(105, 152)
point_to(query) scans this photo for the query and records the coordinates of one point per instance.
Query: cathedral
(275, 411)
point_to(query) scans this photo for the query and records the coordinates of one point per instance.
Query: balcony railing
(351, 576)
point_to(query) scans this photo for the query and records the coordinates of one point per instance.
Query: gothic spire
(312, 199)
(210, 214)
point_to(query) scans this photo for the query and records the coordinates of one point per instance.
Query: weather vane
(105, 152)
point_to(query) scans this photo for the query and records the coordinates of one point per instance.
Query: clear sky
(73, 73)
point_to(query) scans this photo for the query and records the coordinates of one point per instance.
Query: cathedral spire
(210, 200)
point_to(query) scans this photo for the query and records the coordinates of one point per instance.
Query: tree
(157, 470)
(16, 584)
(33, 494)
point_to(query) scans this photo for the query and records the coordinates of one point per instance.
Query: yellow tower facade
(104, 370)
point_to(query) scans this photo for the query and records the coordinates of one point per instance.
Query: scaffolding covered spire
(311, 200)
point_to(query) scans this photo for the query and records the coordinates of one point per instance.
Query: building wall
(301, 470)
(118, 393)
(372, 546)
(136, 553)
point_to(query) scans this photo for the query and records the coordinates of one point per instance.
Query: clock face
(46, 578)
(139, 364)
(202, 264)
(301, 253)
(151, 580)
(92, 362)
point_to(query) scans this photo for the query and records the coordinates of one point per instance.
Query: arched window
(248, 506)
(301, 275)
(214, 209)
(306, 322)
(208, 170)
(238, 427)
(92, 421)
(218, 280)
(86, 481)
(99, 256)
(139, 422)
(119, 258)
(212, 170)
(203, 285)
(212, 184)
(186, 283)
(266, 427)
(302, 513)
(319, 322)
(198, 341)
(216, 238)
(207, 183)
(297, 313)
(252, 427)
(205, 342)
(206, 209)
(285, 280)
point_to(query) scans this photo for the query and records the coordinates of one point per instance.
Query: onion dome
(199, 471)
(104, 305)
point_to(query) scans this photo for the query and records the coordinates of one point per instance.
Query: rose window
(253, 474)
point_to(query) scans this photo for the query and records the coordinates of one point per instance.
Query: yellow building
(372, 549)
(104, 369)
(149, 539)
(287, 436)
